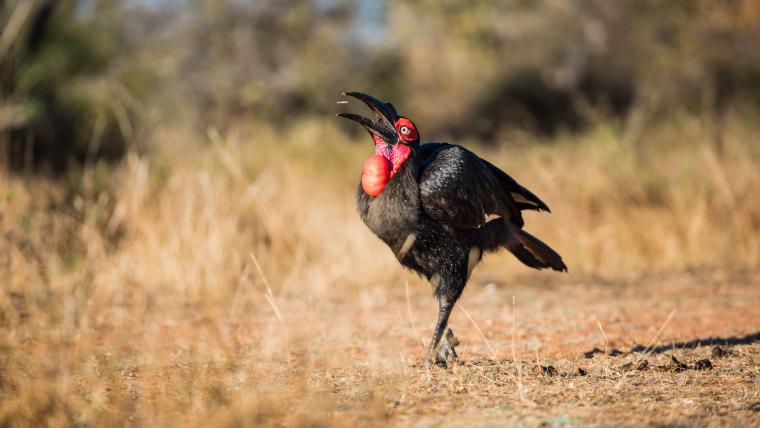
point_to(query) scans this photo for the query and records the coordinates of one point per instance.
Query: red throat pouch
(375, 174)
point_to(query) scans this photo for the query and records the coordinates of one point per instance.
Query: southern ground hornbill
(438, 207)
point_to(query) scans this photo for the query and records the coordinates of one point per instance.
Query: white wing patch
(522, 199)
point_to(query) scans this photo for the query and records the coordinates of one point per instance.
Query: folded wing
(459, 189)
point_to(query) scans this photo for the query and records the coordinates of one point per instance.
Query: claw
(446, 353)
(446, 349)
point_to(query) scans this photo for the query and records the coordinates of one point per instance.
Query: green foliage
(59, 77)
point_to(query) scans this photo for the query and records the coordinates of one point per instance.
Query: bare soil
(679, 349)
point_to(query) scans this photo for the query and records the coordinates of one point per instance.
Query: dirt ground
(540, 351)
(656, 351)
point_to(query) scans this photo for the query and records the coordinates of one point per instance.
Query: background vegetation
(179, 244)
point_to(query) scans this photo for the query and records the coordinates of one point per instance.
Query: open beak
(385, 117)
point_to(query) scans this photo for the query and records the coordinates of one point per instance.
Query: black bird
(438, 207)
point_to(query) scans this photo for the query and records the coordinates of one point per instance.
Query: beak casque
(385, 117)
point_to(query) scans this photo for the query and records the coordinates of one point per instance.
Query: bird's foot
(446, 350)
(446, 354)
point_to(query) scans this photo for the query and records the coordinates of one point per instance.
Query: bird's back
(461, 189)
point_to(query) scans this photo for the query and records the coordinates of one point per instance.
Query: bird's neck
(395, 154)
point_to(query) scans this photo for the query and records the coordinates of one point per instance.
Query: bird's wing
(459, 189)
(524, 199)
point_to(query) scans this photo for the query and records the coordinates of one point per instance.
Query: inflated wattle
(375, 174)
(383, 165)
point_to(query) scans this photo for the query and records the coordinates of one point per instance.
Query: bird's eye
(404, 130)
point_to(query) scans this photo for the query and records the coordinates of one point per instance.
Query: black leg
(446, 350)
(444, 310)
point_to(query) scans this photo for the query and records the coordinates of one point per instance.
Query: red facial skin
(387, 160)
(406, 130)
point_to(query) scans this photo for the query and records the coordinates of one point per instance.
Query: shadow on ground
(692, 344)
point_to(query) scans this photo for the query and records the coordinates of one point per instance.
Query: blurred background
(163, 163)
(634, 120)
(91, 78)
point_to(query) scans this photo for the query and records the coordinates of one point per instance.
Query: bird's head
(395, 137)
(389, 128)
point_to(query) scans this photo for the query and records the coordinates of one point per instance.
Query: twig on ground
(490, 349)
(606, 345)
(269, 295)
(659, 332)
(520, 387)
(409, 314)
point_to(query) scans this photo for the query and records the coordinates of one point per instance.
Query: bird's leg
(446, 350)
(444, 310)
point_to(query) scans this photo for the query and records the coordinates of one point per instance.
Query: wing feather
(524, 198)
(459, 189)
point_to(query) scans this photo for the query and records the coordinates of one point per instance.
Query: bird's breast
(395, 212)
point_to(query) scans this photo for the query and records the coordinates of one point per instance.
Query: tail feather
(526, 257)
(532, 251)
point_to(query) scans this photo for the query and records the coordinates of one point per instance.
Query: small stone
(703, 365)
(677, 365)
(545, 370)
(718, 352)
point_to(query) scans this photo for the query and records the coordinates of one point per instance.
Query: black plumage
(443, 208)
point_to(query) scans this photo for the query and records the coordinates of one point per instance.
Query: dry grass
(235, 285)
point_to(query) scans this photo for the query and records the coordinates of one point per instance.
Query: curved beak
(385, 117)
